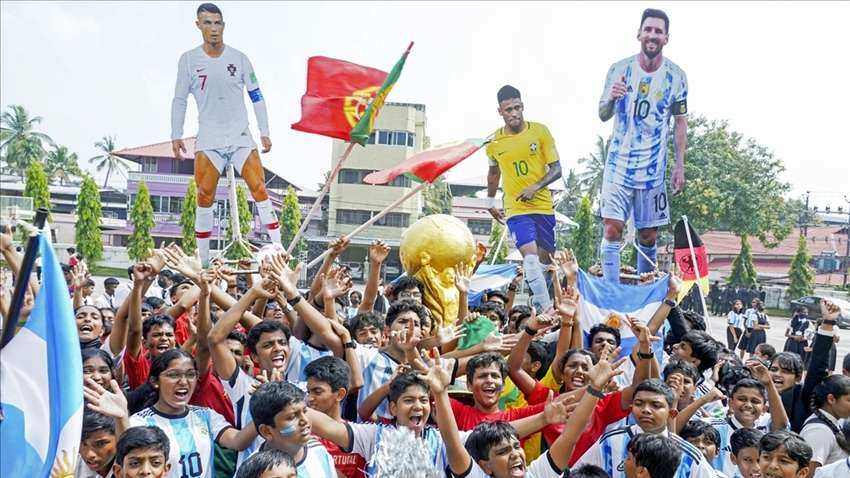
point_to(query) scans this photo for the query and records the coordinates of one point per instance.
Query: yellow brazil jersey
(512, 397)
(522, 159)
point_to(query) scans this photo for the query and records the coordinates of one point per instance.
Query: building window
(401, 182)
(352, 176)
(352, 216)
(175, 204)
(481, 227)
(394, 219)
(148, 165)
(393, 138)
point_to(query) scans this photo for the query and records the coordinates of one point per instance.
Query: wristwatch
(596, 393)
(670, 302)
(530, 331)
(293, 300)
(350, 345)
(645, 356)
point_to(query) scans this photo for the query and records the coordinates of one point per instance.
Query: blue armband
(255, 95)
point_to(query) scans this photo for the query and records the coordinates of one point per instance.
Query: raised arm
(336, 247)
(686, 413)
(329, 429)
(520, 377)
(657, 320)
(438, 379)
(643, 367)
(223, 360)
(378, 253)
(463, 279)
(203, 324)
(778, 416)
(318, 323)
(600, 374)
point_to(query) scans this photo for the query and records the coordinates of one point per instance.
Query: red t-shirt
(137, 368)
(467, 417)
(181, 328)
(209, 392)
(607, 411)
(539, 396)
(352, 465)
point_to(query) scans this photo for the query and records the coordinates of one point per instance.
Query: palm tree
(108, 159)
(18, 139)
(60, 164)
(591, 179)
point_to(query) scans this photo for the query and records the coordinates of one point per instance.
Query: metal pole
(696, 272)
(373, 219)
(499, 247)
(23, 281)
(847, 251)
(331, 178)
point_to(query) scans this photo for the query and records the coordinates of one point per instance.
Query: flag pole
(373, 219)
(23, 282)
(499, 247)
(331, 178)
(696, 271)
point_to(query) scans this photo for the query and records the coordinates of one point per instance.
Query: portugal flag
(428, 165)
(685, 260)
(343, 98)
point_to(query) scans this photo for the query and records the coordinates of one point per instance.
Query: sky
(773, 70)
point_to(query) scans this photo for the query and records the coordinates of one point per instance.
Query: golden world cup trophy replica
(430, 250)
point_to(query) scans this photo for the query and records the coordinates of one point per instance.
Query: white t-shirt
(637, 151)
(820, 437)
(610, 451)
(217, 85)
(839, 469)
(191, 435)
(301, 353)
(542, 467)
(83, 470)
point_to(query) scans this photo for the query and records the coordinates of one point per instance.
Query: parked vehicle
(812, 303)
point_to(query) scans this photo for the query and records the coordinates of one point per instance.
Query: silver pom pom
(401, 454)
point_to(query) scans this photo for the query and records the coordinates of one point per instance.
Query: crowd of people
(223, 371)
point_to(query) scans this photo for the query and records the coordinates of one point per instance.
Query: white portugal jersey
(637, 150)
(217, 85)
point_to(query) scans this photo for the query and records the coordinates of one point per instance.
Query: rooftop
(820, 239)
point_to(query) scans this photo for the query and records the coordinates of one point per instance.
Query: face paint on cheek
(288, 430)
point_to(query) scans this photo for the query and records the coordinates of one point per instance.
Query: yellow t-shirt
(523, 160)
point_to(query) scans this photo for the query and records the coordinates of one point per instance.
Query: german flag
(685, 261)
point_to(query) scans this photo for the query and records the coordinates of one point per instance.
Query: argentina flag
(489, 277)
(41, 384)
(609, 303)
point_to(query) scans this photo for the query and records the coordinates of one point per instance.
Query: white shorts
(235, 155)
(651, 207)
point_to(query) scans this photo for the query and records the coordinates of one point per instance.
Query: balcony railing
(174, 178)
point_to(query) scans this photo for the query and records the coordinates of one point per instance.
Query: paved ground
(776, 336)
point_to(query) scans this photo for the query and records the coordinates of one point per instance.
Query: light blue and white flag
(41, 384)
(608, 303)
(489, 277)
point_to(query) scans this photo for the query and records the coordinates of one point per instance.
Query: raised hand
(341, 331)
(378, 252)
(640, 330)
(567, 307)
(675, 284)
(338, 245)
(266, 288)
(189, 266)
(281, 270)
(446, 335)
(335, 284)
(110, 402)
(502, 344)
(463, 277)
(81, 274)
(604, 370)
(6, 241)
(829, 310)
(759, 371)
(437, 377)
(517, 280)
(540, 322)
(569, 264)
(618, 89)
(558, 410)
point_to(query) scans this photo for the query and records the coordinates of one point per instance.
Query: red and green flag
(428, 165)
(343, 98)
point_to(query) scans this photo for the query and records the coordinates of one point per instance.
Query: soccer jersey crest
(231, 68)
(532, 148)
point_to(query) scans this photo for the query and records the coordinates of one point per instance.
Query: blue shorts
(651, 207)
(539, 228)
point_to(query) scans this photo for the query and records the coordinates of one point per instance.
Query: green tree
(732, 184)
(584, 241)
(237, 250)
(437, 198)
(140, 241)
(60, 164)
(187, 218)
(36, 187)
(743, 272)
(567, 204)
(290, 222)
(19, 141)
(591, 179)
(87, 234)
(801, 274)
(108, 159)
(496, 234)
